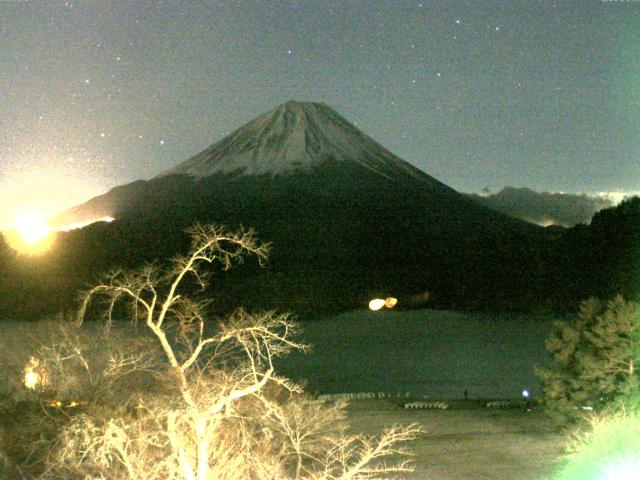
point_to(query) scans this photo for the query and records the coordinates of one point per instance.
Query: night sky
(478, 94)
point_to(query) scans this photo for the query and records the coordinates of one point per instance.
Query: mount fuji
(300, 147)
(348, 219)
(296, 137)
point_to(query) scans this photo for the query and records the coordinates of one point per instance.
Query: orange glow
(379, 303)
(32, 228)
(30, 234)
(34, 375)
(390, 302)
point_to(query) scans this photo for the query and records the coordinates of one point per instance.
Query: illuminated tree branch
(231, 416)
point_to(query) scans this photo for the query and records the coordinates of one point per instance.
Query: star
(124, 85)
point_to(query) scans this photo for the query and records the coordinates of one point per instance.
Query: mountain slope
(297, 146)
(347, 218)
(296, 137)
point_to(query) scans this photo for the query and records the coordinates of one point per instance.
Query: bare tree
(225, 413)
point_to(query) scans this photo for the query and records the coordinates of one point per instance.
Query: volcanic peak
(294, 137)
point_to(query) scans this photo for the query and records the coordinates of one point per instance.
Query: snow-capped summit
(295, 137)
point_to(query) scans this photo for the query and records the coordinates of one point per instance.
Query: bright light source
(31, 380)
(628, 469)
(390, 302)
(32, 228)
(33, 374)
(30, 234)
(376, 304)
(525, 393)
(609, 451)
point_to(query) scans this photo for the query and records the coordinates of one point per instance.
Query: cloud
(548, 208)
(617, 196)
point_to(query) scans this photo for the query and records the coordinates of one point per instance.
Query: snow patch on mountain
(295, 137)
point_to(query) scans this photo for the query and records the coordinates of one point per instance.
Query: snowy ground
(475, 444)
(424, 352)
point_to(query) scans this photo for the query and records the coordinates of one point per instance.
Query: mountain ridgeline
(348, 221)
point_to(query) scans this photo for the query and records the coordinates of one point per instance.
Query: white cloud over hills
(551, 208)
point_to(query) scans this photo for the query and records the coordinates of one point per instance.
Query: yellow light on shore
(376, 304)
(390, 302)
(379, 303)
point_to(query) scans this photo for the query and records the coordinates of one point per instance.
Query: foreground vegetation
(596, 357)
(189, 398)
(593, 389)
(216, 409)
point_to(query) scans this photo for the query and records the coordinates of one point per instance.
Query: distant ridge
(544, 208)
